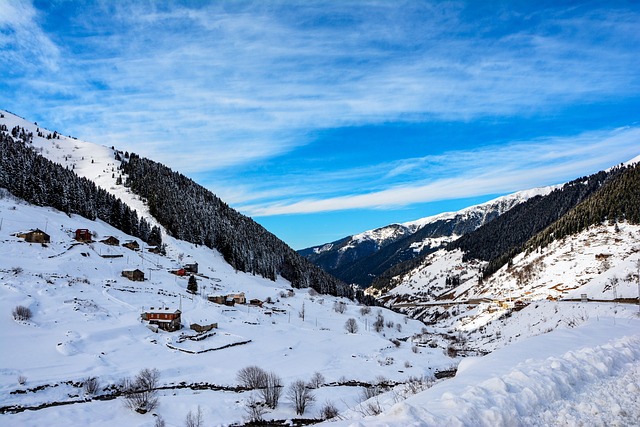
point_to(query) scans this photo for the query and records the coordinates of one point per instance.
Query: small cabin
(135, 275)
(165, 318)
(256, 302)
(191, 268)
(83, 235)
(133, 245)
(238, 298)
(218, 299)
(203, 328)
(111, 241)
(35, 236)
(179, 272)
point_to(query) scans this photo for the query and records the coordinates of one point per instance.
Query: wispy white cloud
(477, 172)
(240, 82)
(22, 41)
(211, 89)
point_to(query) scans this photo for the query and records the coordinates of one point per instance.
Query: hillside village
(105, 305)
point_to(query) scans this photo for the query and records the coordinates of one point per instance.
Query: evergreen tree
(192, 286)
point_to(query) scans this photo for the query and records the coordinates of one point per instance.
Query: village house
(164, 318)
(179, 272)
(203, 328)
(256, 302)
(238, 298)
(35, 236)
(133, 245)
(218, 299)
(191, 268)
(133, 274)
(83, 235)
(111, 241)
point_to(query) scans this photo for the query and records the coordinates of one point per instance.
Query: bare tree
(300, 396)
(141, 394)
(364, 310)
(252, 377)
(351, 325)
(271, 390)
(378, 325)
(194, 419)
(317, 380)
(339, 307)
(160, 422)
(302, 312)
(255, 409)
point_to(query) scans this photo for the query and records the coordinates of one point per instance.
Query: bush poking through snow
(140, 394)
(22, 380)
(160, 422)
(300, 396)
(20, 312)
(339, 307)
(91, 385)
(328, 411)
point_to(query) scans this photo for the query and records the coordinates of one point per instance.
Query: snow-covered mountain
(556, 357)
(361, 257)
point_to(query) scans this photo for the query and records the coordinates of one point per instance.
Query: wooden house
(35, 236)
(133, 245)
(218, 299)
(111, 241)
(230, 299)
(256, 302)
(179, 272)
(191, 268)
(238, 298)
(165, 318)
(83, 235)
(203, 328)
(133, 274)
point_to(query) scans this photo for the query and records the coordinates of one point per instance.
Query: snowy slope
(86, 322)
(92, 161)
(584, 376)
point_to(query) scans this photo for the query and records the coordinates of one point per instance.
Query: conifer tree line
(607, 196)
(37, 180)
(192, 213)
(501, 239)
(617, 201)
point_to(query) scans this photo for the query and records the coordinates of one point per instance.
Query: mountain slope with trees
(192, 213)
(361, 258)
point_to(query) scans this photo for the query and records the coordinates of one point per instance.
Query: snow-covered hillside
(558, 329)
(86, 323)
(89, 160)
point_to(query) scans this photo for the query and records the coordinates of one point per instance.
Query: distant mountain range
(361, 258)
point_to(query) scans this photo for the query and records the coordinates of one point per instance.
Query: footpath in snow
(586, 376)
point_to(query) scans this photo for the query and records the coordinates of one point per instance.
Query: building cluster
(159, 318)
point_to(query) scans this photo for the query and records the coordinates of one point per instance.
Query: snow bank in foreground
(584, 376)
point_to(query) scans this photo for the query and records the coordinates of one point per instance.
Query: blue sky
(322, 119)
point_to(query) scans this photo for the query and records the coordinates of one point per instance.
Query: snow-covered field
(86, 323)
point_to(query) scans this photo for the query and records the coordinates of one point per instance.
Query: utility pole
(638, 280)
